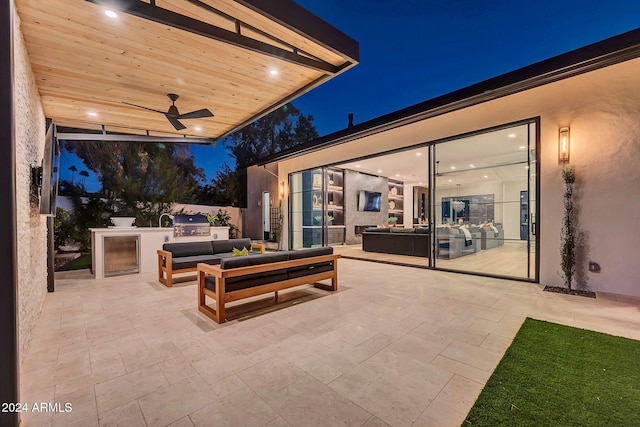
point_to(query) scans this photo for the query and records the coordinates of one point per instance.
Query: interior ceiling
(87, 64)
(494, 156)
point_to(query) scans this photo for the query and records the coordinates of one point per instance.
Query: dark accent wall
(353, 183)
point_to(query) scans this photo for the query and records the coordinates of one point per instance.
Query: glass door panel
(306, 209)
(481, 201)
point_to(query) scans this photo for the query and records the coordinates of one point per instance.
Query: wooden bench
(176, 258)
(235, 279)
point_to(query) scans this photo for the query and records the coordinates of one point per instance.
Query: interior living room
(379, 207)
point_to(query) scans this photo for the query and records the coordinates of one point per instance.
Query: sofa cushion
(228, 245)
(248, 281)
(188, 249)
(192, 261)
(246, 261)
(305, 270)
(311, 252)
(402, 230)
(377, 230)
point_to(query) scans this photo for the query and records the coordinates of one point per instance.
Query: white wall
(602, 108)
(511, 209)
(408, 205)
(31, 226)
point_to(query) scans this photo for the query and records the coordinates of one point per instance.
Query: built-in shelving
(396, 200)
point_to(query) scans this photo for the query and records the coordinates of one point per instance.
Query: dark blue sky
(414, 50)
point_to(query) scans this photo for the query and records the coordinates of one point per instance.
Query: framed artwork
(317, 180)
(317, 200)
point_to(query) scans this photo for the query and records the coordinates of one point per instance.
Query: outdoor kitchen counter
(149, 240)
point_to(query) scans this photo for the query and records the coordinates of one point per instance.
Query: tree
(224, 189)
(84, 174)
(569, 231)
(73, 170)
(284, 128)
(141, 179)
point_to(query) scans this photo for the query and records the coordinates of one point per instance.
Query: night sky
(414, 50)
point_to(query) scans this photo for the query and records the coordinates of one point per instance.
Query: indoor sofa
(176, 258)
(397, 241)
(491, 236)
(452, 242)
(243, 277)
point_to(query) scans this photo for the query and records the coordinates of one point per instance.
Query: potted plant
(392, 221)
(318, 219)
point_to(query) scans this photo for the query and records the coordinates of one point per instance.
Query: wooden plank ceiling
(87, 64)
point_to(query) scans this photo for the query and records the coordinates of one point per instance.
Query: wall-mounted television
(50, 170)
(369, 201)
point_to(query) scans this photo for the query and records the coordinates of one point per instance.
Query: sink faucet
(160, 219)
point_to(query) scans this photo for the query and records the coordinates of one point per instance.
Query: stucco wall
(602, 108)
(31, 226)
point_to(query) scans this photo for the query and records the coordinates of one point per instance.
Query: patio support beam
(9, 379)
(73, 136)
(163, 16)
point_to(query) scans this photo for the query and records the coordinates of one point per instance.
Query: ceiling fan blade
(144, 108)
(198, 114)
(175, 122)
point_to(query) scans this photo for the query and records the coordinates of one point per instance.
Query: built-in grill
(190, 225)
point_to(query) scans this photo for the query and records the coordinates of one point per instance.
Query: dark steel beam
(73, 136)
(301, 21)
(185, 23)
(9, 374)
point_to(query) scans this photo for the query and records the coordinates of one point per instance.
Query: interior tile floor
(395, 345)
(509, 259)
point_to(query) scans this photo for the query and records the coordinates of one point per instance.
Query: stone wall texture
(31, 226)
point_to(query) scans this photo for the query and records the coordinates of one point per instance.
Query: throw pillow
(238, 252)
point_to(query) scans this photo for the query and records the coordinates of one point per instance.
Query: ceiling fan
(174, 116)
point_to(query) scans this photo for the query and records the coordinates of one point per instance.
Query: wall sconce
(282, 189)
(563, 144)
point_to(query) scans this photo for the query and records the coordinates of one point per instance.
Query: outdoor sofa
(176, 258)
(244, 277)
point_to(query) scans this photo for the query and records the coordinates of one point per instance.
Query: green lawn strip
(555, 375)
(82, 262)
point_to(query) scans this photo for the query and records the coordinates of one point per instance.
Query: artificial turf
(555, 375)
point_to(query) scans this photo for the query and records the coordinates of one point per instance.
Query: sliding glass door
(484, 203)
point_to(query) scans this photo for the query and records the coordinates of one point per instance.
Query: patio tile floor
(395, 346)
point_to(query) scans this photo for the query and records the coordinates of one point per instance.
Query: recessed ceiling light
(198, 128)
(418, 154)
(471, 165)
(419, 183)
(526, 167)
(357, 166)
(92, 114)
(522, 147)
(379, 170)
(512, 135)
(397, 174)
(273, 72)
(450, 180)
(111, 14)
(486, 176)
(453, 168)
